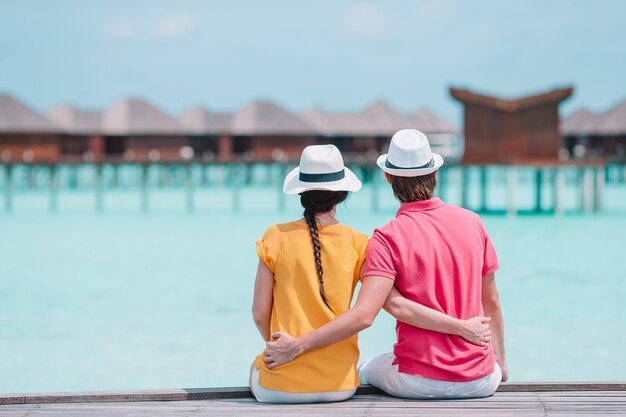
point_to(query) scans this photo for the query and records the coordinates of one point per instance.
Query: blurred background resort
(143, 147)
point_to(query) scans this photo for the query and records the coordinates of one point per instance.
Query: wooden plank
(244, 392)
(375, 406)
(125, 396)
(561, 386)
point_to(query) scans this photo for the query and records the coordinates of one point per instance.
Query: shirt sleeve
(379, 258)
(490, 259)
(268, 248)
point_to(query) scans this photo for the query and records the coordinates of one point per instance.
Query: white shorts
(380, 373)
(265, 395)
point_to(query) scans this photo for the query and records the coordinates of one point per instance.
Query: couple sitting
(432, 268)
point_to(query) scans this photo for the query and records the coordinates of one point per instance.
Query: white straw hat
(409, 155)
(321, 168)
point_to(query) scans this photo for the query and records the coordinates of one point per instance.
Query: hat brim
(417, 172)
(293, 185)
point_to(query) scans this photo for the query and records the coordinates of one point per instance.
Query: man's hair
(407, 189)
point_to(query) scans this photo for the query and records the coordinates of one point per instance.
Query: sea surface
(132, 299)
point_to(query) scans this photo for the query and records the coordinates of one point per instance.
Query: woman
(306, 276)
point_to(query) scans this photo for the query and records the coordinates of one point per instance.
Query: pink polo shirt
(437, 254)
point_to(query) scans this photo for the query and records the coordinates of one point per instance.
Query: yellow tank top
(298, 308)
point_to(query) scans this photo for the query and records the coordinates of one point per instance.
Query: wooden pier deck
(512, 399)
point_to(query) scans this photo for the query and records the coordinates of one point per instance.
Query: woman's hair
(319, 201)
(407, 189)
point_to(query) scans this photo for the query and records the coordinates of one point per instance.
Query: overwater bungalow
(591, 135)
(502, 131)
(264, 130)
(80, 130)
(26, 135)
(130, 130)
(369, 130)
(208, 132)
(136, 130)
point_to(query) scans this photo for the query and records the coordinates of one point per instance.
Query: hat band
(325, 177)
(430, 164)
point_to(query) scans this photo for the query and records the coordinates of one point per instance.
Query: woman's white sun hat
(409, 155)
(321, 168)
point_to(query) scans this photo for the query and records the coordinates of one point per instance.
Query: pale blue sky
(340, 55)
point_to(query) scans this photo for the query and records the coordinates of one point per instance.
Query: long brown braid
(319, 201)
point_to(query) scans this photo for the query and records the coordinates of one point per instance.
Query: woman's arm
(263, 299)
(475, 330)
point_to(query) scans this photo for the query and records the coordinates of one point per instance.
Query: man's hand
(284, 349)
(476, 330)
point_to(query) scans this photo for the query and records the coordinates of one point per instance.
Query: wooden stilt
(483, 188)
(99, 189)
(249, 173)
(204, 177)
(53, 187)
(115, 182)
(8, 187)
(165, 175)
(220, 175)
(237, 177)
(586, 189)
(538, 188)
(599, 188)
(73, 174)
(189, 188)
(32, 170)
(559, 186)
(144, 188)
(511, 191)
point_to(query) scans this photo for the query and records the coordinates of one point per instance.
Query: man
(434, 254)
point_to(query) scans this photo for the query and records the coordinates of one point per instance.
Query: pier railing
(467, 185)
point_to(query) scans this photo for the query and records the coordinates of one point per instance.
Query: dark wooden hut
(500, 131)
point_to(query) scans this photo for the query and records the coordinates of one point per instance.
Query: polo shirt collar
(424, 205)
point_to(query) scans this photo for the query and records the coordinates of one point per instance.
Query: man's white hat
(321, 168)
(409, 155)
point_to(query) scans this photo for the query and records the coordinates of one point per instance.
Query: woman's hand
(284, 349)
(476, 330)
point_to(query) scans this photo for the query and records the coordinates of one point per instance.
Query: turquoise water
(130, 300)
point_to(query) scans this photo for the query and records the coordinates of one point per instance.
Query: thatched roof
(386, 120)
(75, 121)
(138, 117)
(429, 122)
(614, 122)
(267, 118)
(16, 117)
(378, 119)
(587, 123)
(338, 124)
(201, 121)
(580, 123)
